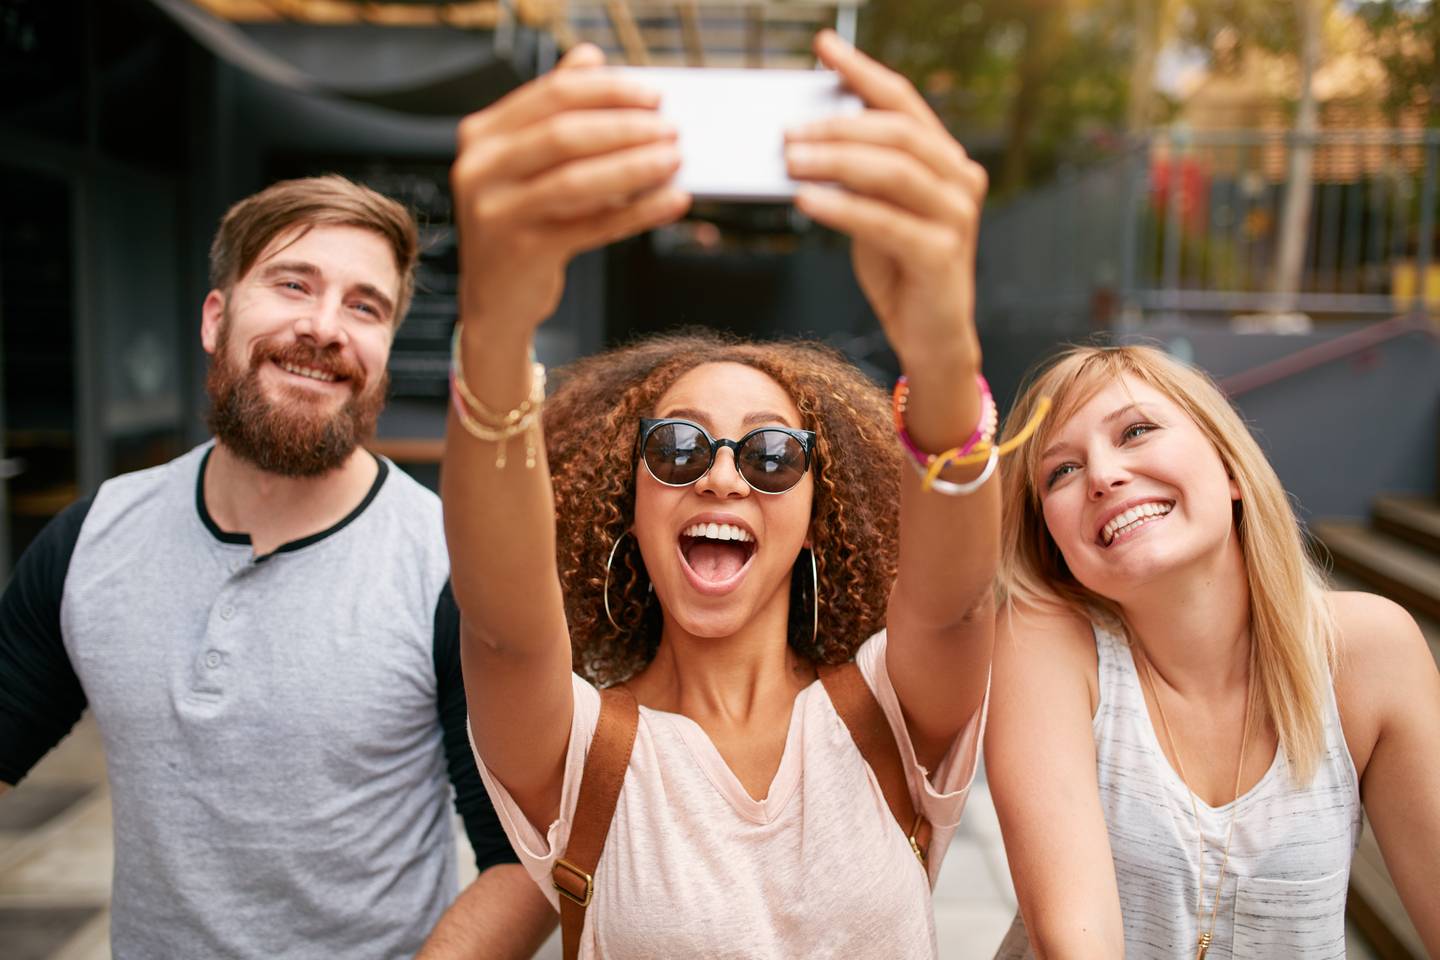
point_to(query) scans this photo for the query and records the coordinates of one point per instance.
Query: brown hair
(591, 425)
(1291, 623)
(249, 226)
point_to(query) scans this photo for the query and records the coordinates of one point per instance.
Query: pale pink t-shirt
(695, 867)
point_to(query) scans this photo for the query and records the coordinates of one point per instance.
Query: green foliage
(1406, 35)
(1063, 65)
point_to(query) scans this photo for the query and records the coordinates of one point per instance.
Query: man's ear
(212, 315)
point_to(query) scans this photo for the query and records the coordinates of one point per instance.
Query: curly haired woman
(701, 493)
(1187, 722)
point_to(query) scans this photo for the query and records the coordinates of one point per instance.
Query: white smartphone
(732, 124)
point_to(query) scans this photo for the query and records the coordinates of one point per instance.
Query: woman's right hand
(569, 162)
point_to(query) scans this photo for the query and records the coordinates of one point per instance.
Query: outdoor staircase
(1397, 554)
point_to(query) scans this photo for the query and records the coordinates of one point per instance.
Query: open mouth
(311, 373)
(1124, 524)
(716, 553)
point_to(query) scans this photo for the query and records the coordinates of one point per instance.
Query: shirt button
(226, 612)
(212, 659)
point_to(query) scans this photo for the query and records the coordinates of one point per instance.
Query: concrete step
(1405, 572)
(1416, 519)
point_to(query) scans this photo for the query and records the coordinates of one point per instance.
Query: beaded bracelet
(473, 414)
(984, 429)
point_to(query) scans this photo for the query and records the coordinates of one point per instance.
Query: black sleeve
(40, 696)
(487, 837)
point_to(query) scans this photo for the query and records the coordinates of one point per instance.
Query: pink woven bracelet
(984, 429)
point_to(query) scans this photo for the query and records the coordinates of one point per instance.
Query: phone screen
(732, 124)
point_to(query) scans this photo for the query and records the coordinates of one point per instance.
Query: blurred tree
(1406, 35)
(1155, 22)
(1024, 83)
(1225, 28)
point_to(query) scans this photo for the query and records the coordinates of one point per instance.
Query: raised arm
(1389, 692)
(566, 163)
(911, 204)
(1040, 761)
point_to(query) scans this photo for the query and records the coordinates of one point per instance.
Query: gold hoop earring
(613, 550)
(814, 599)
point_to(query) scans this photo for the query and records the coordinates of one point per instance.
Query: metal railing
(1184, 223)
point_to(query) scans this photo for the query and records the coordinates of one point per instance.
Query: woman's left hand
(910, 202)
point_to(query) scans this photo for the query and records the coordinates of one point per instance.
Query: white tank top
(1285, 885)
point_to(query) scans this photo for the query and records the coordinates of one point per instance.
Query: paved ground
(56, 859)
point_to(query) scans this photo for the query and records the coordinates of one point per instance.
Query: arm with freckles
(1040, 762)
(567, 163)
(911, 203)
(1387, 667)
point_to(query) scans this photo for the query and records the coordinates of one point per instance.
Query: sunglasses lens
(772, 461)
(677, 453)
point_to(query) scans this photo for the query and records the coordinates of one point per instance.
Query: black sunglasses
(770, 459)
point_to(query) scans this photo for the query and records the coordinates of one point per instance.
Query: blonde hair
(248, 227)
(1292, 626)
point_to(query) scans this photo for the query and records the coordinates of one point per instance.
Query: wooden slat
(402, 14)
(479, 15)
(240, 11)
(755, 35)
(466, 14)
(535, 13)
(622, 21)
(328, 12)
(689, 14)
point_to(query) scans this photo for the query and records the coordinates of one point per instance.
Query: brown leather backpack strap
(574, 874)
(865, 719)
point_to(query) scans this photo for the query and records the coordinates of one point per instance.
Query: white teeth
(1133, 517)
(719, 531)
(308, 372)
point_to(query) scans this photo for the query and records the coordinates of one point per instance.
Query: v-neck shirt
(694, 866)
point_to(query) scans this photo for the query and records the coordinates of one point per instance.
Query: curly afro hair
(591, 422)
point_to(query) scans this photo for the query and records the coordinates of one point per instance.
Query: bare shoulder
(1377, 635)
(1383, 665)
(1052, 627)
(1048, 649)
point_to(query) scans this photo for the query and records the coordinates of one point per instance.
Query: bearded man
(264, 630)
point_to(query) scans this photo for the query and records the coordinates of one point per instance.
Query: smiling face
(1132, 490)
(299, 346)
(719, 553)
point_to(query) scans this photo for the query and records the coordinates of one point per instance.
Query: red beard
(290, 436)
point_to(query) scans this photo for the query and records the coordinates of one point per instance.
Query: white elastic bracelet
(961, 489)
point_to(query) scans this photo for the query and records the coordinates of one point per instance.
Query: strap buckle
(914, 843)
(582, 900)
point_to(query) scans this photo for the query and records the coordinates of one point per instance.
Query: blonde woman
(1186, 723)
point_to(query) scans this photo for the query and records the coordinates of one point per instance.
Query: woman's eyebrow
(1124, 411)
(757, 418)
(763, 417)
(685, 413)
(1109, 418)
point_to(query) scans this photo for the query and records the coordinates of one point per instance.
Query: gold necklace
(1202, 943)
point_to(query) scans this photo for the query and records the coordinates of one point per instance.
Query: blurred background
(1250, 184)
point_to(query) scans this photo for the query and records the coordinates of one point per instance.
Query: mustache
(328, 360)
